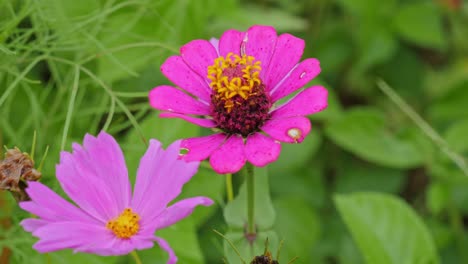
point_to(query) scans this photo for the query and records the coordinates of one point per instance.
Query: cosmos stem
(250, 181)
(136, 257)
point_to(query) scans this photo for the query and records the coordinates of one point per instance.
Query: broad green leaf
(235, 213)
(246, 249)
(353, 175)
(306, 182)
(457, 137)
(421, 23)
(377, 45)
(369, 9)
(386, 229)
(299, 226)
(362, 131)
(252, 15)
(451, 106)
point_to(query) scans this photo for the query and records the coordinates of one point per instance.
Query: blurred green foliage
(367, 186)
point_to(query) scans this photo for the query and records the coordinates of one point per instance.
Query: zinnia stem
(136, 257)
(229, 191)
(250, 181)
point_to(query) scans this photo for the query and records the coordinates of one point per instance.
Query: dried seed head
(15, 170)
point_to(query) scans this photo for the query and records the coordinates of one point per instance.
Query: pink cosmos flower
(232, 85)
(109, 220)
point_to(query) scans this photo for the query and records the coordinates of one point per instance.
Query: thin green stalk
(423, 125)
(229, 191)
(71, 106)
(135, 257)
(250, 181)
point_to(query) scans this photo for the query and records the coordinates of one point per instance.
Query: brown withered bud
(15, 170)
(264, 259)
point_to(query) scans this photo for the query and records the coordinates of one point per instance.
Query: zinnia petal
(308, 101)
(288, 52)
(261, 150)
(170, 99)
(199, 54)
(176, 70)
(203, 122)
(260, 42)
(230, 41)
(296, 79)
(200, 148)
(230, 157)
(290, 130)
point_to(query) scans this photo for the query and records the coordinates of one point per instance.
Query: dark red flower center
(239, 102)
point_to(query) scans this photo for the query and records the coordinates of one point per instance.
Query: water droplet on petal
(302, 75)
(295, 134)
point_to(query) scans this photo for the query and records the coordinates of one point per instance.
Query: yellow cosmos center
(234, 75)
(125, 225)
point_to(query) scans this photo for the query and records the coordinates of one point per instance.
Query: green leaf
(386, 229)
(376, 44)
(235, 213)
(305, 182)
(369, 9)
(421, 23)
(298, 225)
(354, 175)
(362, 131)
(252, 15)
(457, 135)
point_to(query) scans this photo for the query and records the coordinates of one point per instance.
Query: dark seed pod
(15, 170)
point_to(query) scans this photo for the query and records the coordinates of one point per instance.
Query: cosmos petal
(62, 235)
(160, 178)
(165, 246)
(180, 210)
(49, 206)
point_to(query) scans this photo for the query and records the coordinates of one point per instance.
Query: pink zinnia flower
(108, 219)
(232, 86)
